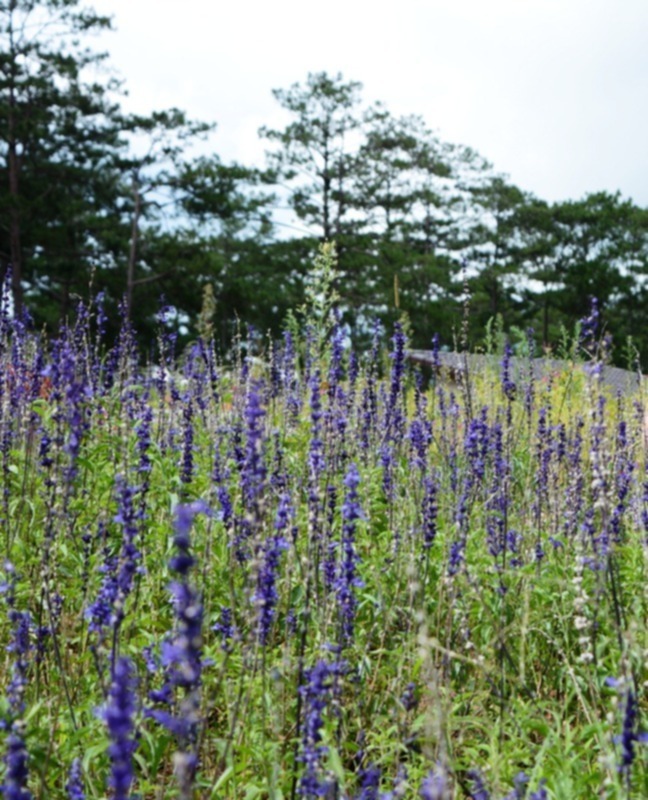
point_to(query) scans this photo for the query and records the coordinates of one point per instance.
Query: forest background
(94, 199)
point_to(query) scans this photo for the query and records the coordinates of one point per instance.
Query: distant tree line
(92, 198)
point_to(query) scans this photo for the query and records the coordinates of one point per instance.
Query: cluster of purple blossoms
(436, 785)
(394, 412)
(16, 756)
(630, 735)
(589, 327)
(118, 714)
(119, 574)
(226, 628)
(253, 471)
(409, 699)
(181, 655)
(369, 783)
(430, 512)
(266, 596)
(508, 384)
(186, 473)
(478, 790)
(347, 579)
(316, 693)
(290, 381)
(16, 771)
(316, 449)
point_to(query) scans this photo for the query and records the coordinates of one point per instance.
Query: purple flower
(316, 692)
(478, 790)
(369, 783)
(119, 574)
(143, 432)
(430, 511)
(408, 699)
(347, 578)
(265, 596)
(188, 441)
(589, 327)
(20, 645)
(316, 449)
(254, 472)
(181, 655)
(540, 794)
(74, 786)
(118, 715)
(520, 782)
(394, 412)
(630, 736)
(16, 774)
(435, 785)
(226, 628)
(508, 385)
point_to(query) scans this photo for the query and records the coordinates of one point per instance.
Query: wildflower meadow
(306, 571)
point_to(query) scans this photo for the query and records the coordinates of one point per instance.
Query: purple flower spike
(118, 716)
(347, 579)
(74, 786)
(226, 628)
(508, 385)
(14, 786)
(630, 736)
(316, 692)
(435, 786)
(478, 790)
(266, 595)
(369, 783)
(181, 656)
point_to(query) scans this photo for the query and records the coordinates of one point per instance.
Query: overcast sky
(552, 92)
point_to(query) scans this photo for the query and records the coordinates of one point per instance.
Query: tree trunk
(132, 255)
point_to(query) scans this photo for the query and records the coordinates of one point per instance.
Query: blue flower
(74, 786)
(118, 715)
(15, 782)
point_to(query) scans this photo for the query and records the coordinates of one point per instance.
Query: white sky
(552, 92)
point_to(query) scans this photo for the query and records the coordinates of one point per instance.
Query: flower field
(316, 573)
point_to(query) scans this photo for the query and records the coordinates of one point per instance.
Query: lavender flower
(540, 794)
(109, 607)
(226, 628)
(430, 512)
(266, 595)
(394, 413)
(589, 327)
(74, 785)
(16, 774)
(435, 786)
(118, 715)
(630, 736)
(316, 692)
(508, 385)
(186, 474)
(369, 783)
(408, 699)
(182, 654)
(520, 782)
(316, 450)
(19, 646)
(348, 579)
(478, 790)
(254, 471)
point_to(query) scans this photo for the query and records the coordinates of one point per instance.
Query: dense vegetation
(311, 574)
(90, 195)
